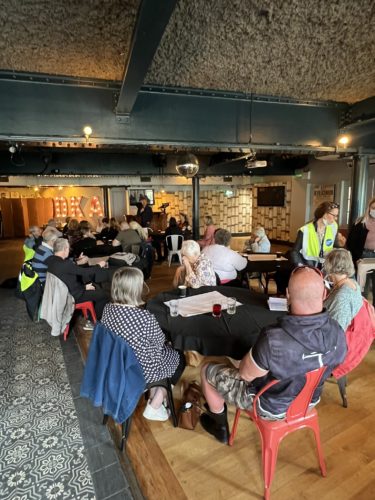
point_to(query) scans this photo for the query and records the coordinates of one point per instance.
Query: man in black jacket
(78, 279)
(145, 212)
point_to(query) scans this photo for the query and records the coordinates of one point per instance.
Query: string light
(75, 207)
(61, 206)
(95, 207)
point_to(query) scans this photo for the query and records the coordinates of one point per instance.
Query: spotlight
(87, 130)
(343, 140)
(12, 149)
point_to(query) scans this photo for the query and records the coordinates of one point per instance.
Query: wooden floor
(178, 464)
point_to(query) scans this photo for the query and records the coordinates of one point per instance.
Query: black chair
(125, 426)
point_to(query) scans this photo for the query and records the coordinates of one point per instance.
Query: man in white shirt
(226, 262)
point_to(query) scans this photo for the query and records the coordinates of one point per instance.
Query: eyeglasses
(314, 269)
(333, 215)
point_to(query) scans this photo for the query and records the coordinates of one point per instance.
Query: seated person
(104, 232)
(142, 332)
(208, 237)
(74, 277)
(66, 227)
(126, 237)
(226, 262)
(51, 223)
(86, 242)
(346, 305)
(196, 270)
(32, 242)
(73, 233)
(173, 228)
(185, 227)
(301, 341)
(142, 232)
(114, 228)
(44, 251)
(259, 243)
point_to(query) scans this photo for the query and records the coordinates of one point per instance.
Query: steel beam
(151, 22)
(54, 114)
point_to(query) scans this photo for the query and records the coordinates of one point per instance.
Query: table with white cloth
(229, 335)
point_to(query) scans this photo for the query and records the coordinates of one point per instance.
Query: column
(359, 188)
(195, 183)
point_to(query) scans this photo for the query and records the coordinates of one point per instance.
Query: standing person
(73, 276)
(142, 332)
(301, 341)
(208, 237)
(145, 212)
(318, 237)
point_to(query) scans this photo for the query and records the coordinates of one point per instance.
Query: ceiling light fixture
(343, 140)
(87, 130)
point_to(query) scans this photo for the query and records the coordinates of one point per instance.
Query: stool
(85, 307)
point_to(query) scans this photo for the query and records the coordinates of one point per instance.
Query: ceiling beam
(152, 20)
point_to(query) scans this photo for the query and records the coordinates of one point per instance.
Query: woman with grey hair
(139, 328)
(226, 262)
(261, 244)
(345, 299)
(196, 269)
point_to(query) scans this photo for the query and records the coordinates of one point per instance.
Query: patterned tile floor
(43, 453)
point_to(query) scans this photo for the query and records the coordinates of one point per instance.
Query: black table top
(230, 335)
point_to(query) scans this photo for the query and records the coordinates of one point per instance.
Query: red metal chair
(85, 307)
(272, 432)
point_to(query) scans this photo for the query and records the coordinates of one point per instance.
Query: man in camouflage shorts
(301, 341)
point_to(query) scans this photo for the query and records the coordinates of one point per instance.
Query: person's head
(370, 211)
(67, 220)
(52, 223)
(113, 224)
(208, 220)
(73, 225)
(260, 232)
(35, 231)
(222, 237)
(191, 250)
(327, 212)
(144, 200)
(306, 291)
(61, 248)
(105, 222)
(50, 235)
(124, 226)
(172, 222)
(127, 286)
(85, 227)
(140, 230)
(339, 262)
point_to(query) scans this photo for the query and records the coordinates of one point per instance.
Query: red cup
(216, 310)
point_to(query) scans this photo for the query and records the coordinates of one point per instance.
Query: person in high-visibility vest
(32, 242)
(318, 237)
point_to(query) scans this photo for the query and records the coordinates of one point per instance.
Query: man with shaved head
(302, 341)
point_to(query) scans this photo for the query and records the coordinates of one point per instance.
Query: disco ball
(188, 165)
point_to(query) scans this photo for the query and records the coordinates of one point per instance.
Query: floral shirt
(202, 274)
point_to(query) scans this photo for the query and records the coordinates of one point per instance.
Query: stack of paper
(277, 304)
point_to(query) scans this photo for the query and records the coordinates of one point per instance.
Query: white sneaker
(88, 325)
(160, 414)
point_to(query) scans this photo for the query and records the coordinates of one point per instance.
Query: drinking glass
(216, 309)
(182, 289)
(173, 308)
(231, 305)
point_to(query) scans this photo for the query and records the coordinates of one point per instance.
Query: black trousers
(99, 297)
(179, 370)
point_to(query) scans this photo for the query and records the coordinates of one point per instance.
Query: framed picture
(323, 193)
(135, 196)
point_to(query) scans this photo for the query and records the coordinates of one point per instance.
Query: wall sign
(323, 193)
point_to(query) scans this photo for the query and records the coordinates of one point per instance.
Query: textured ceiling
(309, 49)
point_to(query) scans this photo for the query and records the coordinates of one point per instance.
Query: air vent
(227, 178)
(145, 179)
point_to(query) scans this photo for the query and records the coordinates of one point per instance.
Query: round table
(230, 335)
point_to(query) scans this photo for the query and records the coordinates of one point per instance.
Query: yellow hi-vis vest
(29, 253)
(311, 246)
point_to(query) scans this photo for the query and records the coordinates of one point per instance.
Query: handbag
(190, 409)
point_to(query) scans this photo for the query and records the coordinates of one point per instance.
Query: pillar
(359, 188)
(195, 182)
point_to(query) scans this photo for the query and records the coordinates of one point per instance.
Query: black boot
(216, 424)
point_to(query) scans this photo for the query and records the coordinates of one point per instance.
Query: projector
(256, 164)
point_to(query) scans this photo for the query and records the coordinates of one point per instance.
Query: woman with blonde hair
(143, 232)
(196, 270)
(124, 317)
(209, 233)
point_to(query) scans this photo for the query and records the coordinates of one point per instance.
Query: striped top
(39, 260)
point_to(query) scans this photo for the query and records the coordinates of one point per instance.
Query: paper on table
(200, 304)
(277, 304)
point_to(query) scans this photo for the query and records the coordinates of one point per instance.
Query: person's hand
(102, 263)
(82, 259)
(341, 240)
(89, 286)
(99, 242)
(186, 264)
